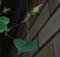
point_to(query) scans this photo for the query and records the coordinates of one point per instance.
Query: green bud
(5, 10)
(35, 10)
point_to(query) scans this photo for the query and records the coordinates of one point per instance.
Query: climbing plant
(21, 45)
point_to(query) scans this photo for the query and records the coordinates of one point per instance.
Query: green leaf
(29, 46)
(5, 10)
(19, 44)
(4, 20)
(2, 27)
(23, 46)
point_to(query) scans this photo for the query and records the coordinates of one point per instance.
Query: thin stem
(9, 35)
(27, 31)
(26, 18)
(15, 26)
(27, 22)
(24, 21)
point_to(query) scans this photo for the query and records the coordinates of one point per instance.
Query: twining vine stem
(15, 26)
(8, 35)
(27, 23)
(28, 15)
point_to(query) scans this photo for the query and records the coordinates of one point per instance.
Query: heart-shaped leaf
(23, 46)
(4, 20)
(19, 44)
(2, 27)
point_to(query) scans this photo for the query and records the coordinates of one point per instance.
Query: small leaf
(2, 27)
(23, 46)
(4, 20)
(5, 10)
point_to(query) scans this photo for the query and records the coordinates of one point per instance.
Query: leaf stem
(9, 35)
(24, 21)
(14, 26)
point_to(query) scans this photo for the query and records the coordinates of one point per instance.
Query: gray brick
(50, 28)
(39, 22)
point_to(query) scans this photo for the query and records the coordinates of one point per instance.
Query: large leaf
(4, 20)
(2, 27)
(23, 46)
(19, 44)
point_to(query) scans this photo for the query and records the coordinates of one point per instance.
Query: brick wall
(44, 29)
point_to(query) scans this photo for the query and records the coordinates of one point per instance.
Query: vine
(21, 45)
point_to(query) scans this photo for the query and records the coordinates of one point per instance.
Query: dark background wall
(16, 15)
(44, 29)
